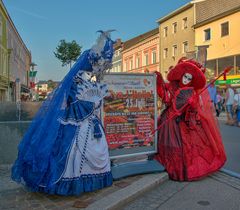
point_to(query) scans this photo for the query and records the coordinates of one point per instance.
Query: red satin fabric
(190, 145)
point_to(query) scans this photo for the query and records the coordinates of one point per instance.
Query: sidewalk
(152, 191)
(14, 196)
(216, 192)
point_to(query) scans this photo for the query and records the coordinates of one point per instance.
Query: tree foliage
(51, 84)
(67, 52)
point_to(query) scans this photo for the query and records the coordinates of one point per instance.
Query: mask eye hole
(188, 77)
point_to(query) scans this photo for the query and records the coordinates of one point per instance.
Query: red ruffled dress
(189, 143)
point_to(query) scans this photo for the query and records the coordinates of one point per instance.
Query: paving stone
(15, 196)
(82, 204)
(49, 206)
(35, 205)
(122, 184)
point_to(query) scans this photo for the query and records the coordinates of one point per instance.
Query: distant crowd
(226, 101)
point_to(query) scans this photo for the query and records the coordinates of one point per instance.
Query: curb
(117, 199)
(230, 173)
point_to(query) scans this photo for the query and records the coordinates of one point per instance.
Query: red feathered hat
(191, 67)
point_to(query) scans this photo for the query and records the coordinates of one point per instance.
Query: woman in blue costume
(64, 150)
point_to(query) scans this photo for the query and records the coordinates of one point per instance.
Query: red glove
(159, 78)
(160, 85)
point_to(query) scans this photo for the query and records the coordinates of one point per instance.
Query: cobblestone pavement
(14, 196)
(216, 192)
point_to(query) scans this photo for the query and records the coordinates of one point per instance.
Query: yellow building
(209, 23)
(221, 33)
(176, 36)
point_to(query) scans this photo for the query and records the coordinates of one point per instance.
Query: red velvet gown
(189, 145)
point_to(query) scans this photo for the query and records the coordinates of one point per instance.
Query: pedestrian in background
(213, 95)
(236, 106)
(219, 100)
(223, 100)
(229, 104)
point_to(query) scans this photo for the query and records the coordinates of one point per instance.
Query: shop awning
(231, 79)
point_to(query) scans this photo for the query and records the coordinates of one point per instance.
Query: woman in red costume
(189, 142)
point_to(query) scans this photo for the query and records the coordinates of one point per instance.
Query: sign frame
(138, 150)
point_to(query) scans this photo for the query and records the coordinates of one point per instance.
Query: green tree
(67, 52)
(51, 84)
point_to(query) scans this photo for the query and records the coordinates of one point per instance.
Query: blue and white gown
(88, 157)
(64, 150)
(79, 160)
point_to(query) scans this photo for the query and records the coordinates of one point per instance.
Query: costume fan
(65, 150)
(189, 141)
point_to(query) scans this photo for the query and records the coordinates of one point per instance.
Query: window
(154, 57)
(225, 29)
(126, 66)
(184, 23)
(137, 62)
(165, 31)
(207, 34)
(1, 28)
(238, 64)
(146, 59)
(174, 50)
(225, 62)
(131, 64)
(174, 28)
(165, 53)
(211, 69)
(185, 47)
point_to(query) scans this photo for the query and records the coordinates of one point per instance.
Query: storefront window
(211, 69)
(225, 62)
(238, 64)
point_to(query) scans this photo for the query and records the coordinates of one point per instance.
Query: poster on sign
(129, 114)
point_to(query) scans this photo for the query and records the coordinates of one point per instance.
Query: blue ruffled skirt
(75, 164)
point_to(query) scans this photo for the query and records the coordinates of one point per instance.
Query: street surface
(216, 192)
(231, 141)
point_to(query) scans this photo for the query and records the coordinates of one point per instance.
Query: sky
(43, 23)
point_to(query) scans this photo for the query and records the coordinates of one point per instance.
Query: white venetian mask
(86, 75)
(186, 79)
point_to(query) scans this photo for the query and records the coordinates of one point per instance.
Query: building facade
(4, 56)
(141, 54)
(15, 60)
(176, 36)
(202, 23)
(218, 27)
(117, 57)
(19, 62)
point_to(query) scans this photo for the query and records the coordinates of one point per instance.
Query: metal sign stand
(122, 170)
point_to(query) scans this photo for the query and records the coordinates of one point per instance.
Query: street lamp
(32, 75)
(32, 65)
